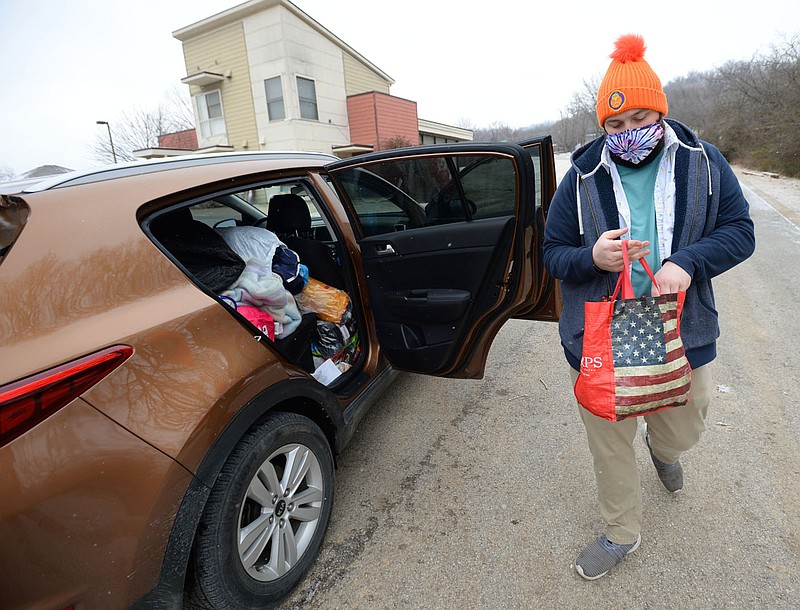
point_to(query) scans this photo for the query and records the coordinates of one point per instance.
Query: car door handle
(384, 249)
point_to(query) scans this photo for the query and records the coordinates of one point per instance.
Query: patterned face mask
(633, 145)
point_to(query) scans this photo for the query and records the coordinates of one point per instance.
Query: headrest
(173, 224)
(288, 213)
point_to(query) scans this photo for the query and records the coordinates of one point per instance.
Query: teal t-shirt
(639, 184)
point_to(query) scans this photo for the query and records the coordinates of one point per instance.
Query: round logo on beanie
(616, 100)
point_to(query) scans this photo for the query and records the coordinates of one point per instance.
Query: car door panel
(431, 284)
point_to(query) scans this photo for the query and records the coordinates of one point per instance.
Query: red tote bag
(633, 358)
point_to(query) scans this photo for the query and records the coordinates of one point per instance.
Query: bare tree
(396, 142)
(6, 173)
(140, 128)
(497, 132)
(689, 98)
(178, 105)
(578, 123)
(754, 113)
(465, 123)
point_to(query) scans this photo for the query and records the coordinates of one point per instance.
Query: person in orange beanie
(651, 181)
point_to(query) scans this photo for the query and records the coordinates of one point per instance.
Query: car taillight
(26, 402)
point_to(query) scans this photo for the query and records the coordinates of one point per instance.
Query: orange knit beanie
(629, 81)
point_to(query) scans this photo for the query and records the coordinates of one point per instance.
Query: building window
(209, 109)
(274, 90)
(307, 92)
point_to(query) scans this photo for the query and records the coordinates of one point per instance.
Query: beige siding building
(264, 75)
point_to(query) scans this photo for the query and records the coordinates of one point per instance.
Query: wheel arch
(301, 396)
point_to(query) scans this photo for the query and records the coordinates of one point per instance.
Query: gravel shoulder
(780, 192)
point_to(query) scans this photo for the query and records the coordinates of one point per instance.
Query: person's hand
(672, 278)
(607, 250)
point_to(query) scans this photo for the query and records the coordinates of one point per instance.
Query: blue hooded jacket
(713, 232)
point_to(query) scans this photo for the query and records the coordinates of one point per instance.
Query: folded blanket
(260, 287)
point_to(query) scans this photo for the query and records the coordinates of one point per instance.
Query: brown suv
(187, 344)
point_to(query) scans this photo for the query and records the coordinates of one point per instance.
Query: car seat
(288, 217)
(199, 248)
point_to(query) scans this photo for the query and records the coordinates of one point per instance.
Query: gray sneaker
(602, 555)
(671, 475)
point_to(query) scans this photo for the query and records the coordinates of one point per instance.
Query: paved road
(479, 494)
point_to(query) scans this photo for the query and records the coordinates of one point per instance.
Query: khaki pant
(671, 432)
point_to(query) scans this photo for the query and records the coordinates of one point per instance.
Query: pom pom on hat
(629, 47)
(629, 81)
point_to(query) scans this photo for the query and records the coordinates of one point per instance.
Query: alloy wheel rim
(280, 512)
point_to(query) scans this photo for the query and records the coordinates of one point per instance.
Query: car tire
(266, 516)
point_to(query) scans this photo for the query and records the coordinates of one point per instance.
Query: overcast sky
(68, 64)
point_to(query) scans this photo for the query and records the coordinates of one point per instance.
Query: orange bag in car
(329, 303)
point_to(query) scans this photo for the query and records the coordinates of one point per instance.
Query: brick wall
(376, 118)
(186, 140)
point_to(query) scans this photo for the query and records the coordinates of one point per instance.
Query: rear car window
(13, 216)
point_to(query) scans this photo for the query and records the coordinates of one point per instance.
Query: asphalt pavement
(480, 494)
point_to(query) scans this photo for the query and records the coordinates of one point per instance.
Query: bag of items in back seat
(264, 245)
(329, 303)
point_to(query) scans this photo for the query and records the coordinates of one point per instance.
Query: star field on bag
(637, 333)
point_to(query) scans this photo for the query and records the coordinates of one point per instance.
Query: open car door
(547, 305)
(448, 237)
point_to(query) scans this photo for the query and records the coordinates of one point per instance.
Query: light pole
(113, 152)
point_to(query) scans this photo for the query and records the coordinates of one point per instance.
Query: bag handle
(624, 281)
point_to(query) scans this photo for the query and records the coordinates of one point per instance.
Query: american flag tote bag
(633, 361)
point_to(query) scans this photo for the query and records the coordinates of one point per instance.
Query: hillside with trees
(750, 110)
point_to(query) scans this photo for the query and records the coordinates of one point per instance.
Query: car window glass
(401, 194)
(216, 213)
(299, 192)
(535, 152)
